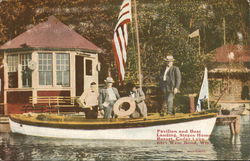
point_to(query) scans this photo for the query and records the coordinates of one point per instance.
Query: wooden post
(233, 120)
(191, 104)
(237, 125)
(231, 125)
(138, 44)
(199, 44)
(224, 30)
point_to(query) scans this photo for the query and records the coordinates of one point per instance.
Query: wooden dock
(4, 124)
(232, 120)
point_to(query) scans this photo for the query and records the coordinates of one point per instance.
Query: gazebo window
(12, 61)
(45, 68)
(26, 72)
(62, 69)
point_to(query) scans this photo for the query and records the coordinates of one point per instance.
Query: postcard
(161, 80)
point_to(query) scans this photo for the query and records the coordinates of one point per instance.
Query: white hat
(169, 58)
(109, 80)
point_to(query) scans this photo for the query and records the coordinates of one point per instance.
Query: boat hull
(195, 130)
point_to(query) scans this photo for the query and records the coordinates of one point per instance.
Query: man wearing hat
(170, 80)
(107, 97)
(138, 95)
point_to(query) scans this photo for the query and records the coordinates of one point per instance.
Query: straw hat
(109, 80)
(169, 58)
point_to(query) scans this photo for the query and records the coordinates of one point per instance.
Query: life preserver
(32, 65)
(98, 67)
(119, 111)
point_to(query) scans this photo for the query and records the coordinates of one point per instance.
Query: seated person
(89, 101)
(108, 96)
(139, 97)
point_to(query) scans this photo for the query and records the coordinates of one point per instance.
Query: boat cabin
(49, 59)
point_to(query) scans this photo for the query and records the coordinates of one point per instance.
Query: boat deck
(76, 121)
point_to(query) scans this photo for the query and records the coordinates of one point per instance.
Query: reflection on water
(221, 146)
(232, 147)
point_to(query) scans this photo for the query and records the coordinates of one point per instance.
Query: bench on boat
(51, 103)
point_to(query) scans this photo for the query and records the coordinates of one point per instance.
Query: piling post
(232, 128)
(232, 120)
(237, 125)
(191, 103)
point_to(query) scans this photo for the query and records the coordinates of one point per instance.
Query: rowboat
(180, 127)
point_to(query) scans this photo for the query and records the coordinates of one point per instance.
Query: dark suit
(173, 80)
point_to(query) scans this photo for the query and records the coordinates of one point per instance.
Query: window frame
(60, 70)
(92, 68)
(12, 61)
(35, 73)
(23, 65)
(52, 70)
(19, 69)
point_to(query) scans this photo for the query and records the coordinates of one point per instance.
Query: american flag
(120, 40)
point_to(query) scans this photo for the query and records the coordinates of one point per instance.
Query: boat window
(45, 68)
(62, 69)
(26, 71)
(89, 68)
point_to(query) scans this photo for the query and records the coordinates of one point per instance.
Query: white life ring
(118, 110)
(32, 65)
(98, 67)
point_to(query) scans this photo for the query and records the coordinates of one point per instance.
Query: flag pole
(208, 104)
(224, 30)
(138, 45)
(199, 44)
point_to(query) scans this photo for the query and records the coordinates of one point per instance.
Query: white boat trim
(204, 126)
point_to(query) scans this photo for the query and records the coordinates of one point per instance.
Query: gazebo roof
(51, 34)
(237, 53)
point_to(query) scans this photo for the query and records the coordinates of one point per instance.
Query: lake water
(221, 146)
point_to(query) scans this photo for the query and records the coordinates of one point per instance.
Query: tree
(164, 26)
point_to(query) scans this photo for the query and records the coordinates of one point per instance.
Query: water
(221, 146)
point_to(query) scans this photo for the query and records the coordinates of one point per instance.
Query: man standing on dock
(170, 80)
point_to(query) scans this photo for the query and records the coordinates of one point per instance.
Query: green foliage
(213, 107)
(164, 29)
(164, 26)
